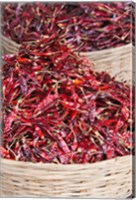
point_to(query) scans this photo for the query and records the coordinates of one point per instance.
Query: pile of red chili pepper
(85, 26)
(58, 110)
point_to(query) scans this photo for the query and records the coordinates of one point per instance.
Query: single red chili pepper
(39, 132)
(4, 153)
(125, 111)
(45, 102)
(22, 60)
(110, 152)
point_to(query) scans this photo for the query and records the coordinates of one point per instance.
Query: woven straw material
(116, 61)
(107, 179)
(8, 46)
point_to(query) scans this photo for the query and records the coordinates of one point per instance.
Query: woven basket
(105, 179)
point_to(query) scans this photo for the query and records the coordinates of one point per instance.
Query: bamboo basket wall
(105, 179)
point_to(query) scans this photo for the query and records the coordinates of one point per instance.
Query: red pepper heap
(58, 110)
(86, 26)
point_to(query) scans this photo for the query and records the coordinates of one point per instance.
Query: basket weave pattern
(116, 61)
(8, 45)
(107, 179)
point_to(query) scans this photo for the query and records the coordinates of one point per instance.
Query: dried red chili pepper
(65, 112)
(85, 26)
(4, 153)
